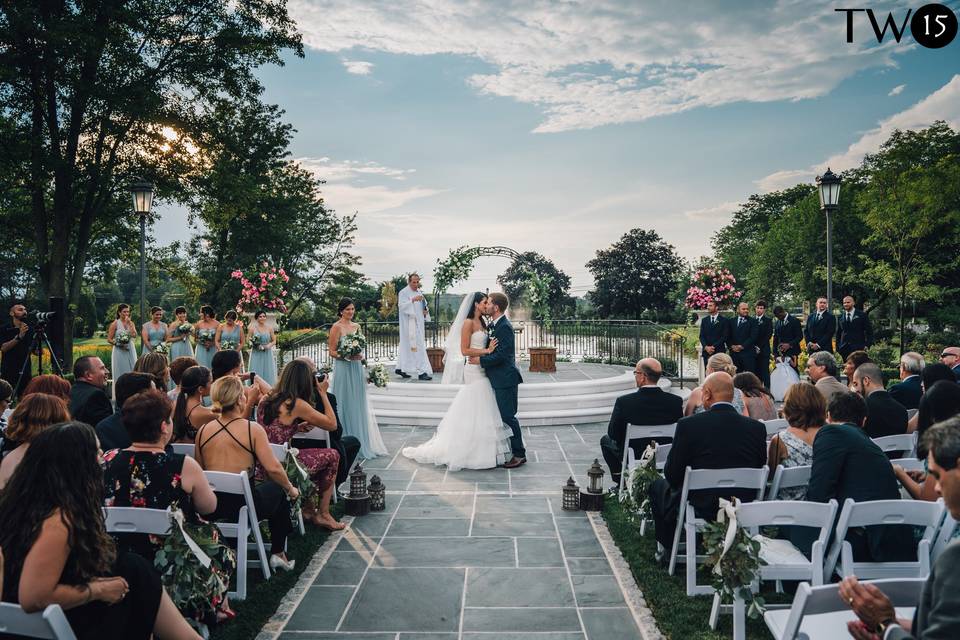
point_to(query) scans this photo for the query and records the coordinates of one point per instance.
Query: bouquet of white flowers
(121, 339)
(378, 375)
(228, 345)
(257, 342)
(205, 336)
(351, 344)
(162, 348)
(184, 329)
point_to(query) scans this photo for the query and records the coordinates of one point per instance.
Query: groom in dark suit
(504, 376)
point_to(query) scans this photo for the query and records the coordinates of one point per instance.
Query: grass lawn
(264, 597)
(678, 616)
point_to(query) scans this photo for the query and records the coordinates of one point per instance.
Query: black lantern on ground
(829, 187)
(571, 496)
(378, 494)
(357, 503)
(142, 193)
(592, 499)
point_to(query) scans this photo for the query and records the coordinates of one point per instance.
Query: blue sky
(558, 127)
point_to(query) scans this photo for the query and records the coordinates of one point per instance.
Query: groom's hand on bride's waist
(474, 360)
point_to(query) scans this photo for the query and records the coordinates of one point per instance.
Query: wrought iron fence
(602, 341)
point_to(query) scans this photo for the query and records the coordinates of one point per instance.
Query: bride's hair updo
(479, 296)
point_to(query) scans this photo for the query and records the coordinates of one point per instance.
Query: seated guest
(177, 368)
(950, 356)
(941, 402)
(822, 370)
(190, 413)
(232, 443)
(937, 614)
(230, 363)
(805, 411)
(155, 364)
(648, 405)
(758, 401)
(110, 431)
(288, 411)
(49, 384)
(932, 374)
(88, 401)
(57, 550)
(908, 391)
(33, 414)
(6, 393)
(718, 438)
(885, 416)
(848, 464)
(718, 362)
(851, 363)
(347, 446)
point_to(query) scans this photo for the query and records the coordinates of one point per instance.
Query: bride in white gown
(471, 434)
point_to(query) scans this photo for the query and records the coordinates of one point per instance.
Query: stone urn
(543, 359)
(435, 355)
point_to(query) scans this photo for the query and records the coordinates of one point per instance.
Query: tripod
(37, 343)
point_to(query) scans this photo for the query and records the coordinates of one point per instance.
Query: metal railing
(602, 341)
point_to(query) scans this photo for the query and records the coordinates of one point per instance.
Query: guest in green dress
(206, 330)
(154, 332)
(230, 334)
(263, 339)
(121, 334)
(178, 335)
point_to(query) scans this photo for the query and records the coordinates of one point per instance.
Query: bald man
(718, 438)
(951, 357)
(648, 405)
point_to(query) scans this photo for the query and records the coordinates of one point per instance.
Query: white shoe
(276, 562)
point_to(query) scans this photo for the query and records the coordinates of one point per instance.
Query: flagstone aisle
(471, 555)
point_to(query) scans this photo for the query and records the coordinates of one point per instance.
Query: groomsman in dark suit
(743, 339)
(714, 332)
(855, 332)
(786, 336)
(765, 332)
(821, 325)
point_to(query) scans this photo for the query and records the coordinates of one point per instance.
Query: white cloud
(942, 104)
(588, 63)
(358, 67)
(719, 213)
(897, 90)
(351, 185)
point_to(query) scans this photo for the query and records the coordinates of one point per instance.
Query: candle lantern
(571, 496)
(357, 503)
(378, 494)
(592, 498)
(358, 482)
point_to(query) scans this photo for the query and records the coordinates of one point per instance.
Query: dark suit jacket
(648, 406)
(719, 438)
(938, 612)
(715, 334)
(956, 372)
(856, 334)
(820, 332)
(89, 403)
(885, 416)
(847, 464)
(501, 365)
(908, 392)
(112, 434)
(744, 333)
(764, 333)
(787, 331)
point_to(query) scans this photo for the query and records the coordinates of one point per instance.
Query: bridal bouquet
(163, 349)
(378, 375)
(205, 336)
(257, 343)
(351, 344)
(121, 339)
(228, 345)
(184, 329)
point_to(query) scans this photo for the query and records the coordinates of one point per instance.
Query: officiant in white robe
(414, 314)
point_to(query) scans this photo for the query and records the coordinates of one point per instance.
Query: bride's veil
(453, 360)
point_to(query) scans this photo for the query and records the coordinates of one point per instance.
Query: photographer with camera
(15, 340)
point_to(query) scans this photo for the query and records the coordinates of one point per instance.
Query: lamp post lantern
(142, 193)
(828, 186)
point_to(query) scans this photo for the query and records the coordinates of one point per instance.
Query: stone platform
(471, 555)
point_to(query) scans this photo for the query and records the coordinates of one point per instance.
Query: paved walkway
(566, 372)
(471, 555)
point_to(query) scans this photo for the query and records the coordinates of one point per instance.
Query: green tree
(637, 273)
(516, 279)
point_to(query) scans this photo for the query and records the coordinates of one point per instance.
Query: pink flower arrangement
(263, 287)
(712, 285)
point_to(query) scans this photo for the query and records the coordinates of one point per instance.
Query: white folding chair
(280, 452)
(818, 613)
(947, 530)
(137, 520)
(662, 452)
(637, 431)
(699, 479)
(911, 413)
(247, 522)
(884, 512)
(185, 448)
(320, 435)
(49, 624)
(788, 478)
(909, 464)
(904, 442)
(775, 426)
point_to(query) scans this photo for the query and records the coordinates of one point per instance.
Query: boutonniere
(490, 331)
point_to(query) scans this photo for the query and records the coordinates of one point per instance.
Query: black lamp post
(142, 201)
(829, 187)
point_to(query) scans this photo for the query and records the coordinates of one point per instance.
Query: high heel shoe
(276, 562)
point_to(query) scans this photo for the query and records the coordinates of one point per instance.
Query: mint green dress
(180, 348)
(263, 363)
(155, 336)
(226, 335)
(204, 354)
(123, 359)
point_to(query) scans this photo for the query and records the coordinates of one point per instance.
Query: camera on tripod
(40, 318)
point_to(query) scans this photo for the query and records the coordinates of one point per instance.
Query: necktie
(849, 316)
(819, 316)
(740, 321)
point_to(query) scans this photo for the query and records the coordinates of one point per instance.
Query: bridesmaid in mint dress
(153, 332)
(230, 331)
(350, 387)
(263, 362)
(124, 355)
(207, 326)
(180, 341)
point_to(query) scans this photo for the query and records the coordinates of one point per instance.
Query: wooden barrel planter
(543, 359)
(435, 354)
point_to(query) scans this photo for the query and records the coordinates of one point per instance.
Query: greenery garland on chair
(299, 478)
(635, 497)
(735, 558)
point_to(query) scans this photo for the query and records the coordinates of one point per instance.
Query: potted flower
(263, 287)
(710, 284)
(543, 358)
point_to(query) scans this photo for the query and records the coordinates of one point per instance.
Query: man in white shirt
(414, 314)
